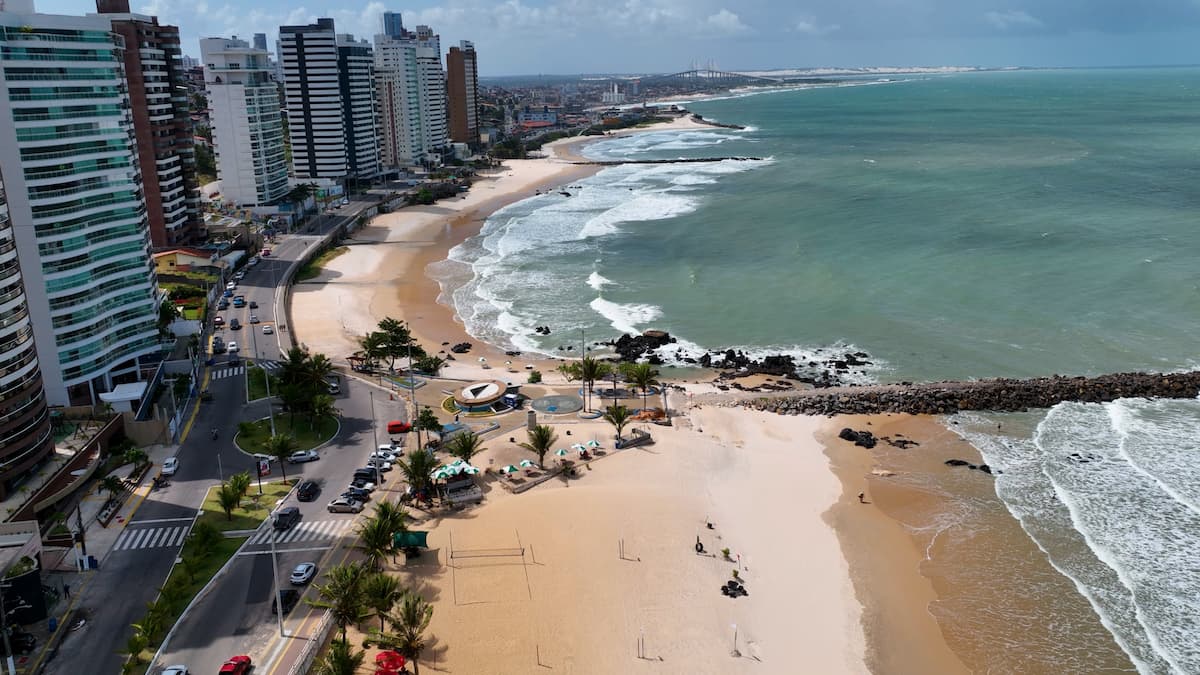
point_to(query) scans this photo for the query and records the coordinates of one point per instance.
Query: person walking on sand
(862, 498)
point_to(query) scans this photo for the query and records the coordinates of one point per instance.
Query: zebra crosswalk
(151, 537)
(219, 373)
(270, 365)
(311, 531)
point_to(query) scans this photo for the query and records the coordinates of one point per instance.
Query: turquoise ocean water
(974, 225)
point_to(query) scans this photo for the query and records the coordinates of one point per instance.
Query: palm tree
(135, 645)
(229, 499)
(135, 456)
(112, 485)
(375, 541)
(541, 439)
(618, 416)
(339, 659)
(465, 445)
(280, 446)
(374, 347)
(241, 483)
(322, 408)
(342, 595)
(382, 592)
(152, 621)
(642, 376)
(206, 537)
(409, 625)
(427, 420)
(393, 515)
(590, 370)
(417, 469)
(191, 566)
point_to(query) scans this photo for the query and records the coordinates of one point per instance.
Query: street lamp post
(375, 431)
(275, 575)
(412, 394)
(266, 377)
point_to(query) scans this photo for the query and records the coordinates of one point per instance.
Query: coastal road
(235, 616)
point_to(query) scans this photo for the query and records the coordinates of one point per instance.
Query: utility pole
(412, 394)
(275, 574)
(375, 431)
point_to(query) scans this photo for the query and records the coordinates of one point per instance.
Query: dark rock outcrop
(863, 439)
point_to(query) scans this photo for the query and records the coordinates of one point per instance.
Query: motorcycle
(214, 434)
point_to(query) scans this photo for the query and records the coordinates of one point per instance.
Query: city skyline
(668, 35)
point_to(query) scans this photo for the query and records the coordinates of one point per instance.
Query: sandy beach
(610, 559)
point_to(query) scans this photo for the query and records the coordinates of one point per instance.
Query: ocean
(957, 226)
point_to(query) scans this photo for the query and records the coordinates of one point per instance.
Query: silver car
(170, 465)
(345, 505)
(303, 456)
(303, 573)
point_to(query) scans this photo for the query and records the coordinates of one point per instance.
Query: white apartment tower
(330, 96)
(247, 123)
(69, 162)
(411, 88)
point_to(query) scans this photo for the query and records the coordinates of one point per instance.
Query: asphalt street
(131, 573)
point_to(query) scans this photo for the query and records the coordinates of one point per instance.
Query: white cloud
(808, 25)
(726, 22)
(1012, 18)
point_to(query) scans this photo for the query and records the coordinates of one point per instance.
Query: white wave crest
(598, 282)
(625, 317)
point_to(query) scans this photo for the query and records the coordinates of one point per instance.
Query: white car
(268, 330)
(258, 457)
(232, 347)
(253, 318)
(253, 261)
(303, 456)
(303, 573)
(385, 455)
(175, 670)
(344, 505)
(231, 285)
(363, 484)
(170, 466)
(239, 276)
(382, 464)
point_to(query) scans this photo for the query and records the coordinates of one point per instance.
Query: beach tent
(410, 538)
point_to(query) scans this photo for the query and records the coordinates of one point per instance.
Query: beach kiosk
(480, 396)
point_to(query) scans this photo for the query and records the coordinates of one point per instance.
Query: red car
(238, 665)
(266, 252)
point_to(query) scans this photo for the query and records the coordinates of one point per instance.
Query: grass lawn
(313, 267)
(306, 433)
(252, 512)
(212, 563)
(257, 379)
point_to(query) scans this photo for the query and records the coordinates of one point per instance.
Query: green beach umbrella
(580, 447)
(470, 470)
(527, 464)
(593, 443)
(509, 469)
(562, 452)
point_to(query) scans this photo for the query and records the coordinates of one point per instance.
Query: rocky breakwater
(1000, 395)
(828, 368)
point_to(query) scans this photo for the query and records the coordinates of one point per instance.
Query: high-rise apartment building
(411, 86)
(462, 93)
(260, 41)
(25, 436)
(159, 103)
(393, 25)
(330, 92)
(247, 122)
(70, 166)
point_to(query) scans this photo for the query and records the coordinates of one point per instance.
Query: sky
(529, 37)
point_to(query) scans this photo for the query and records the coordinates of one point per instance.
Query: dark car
(367, 473)
(234, 324)
(307, 491)
(290, 596)
(253, 305)
(22, 642)
(357, 493)
(286, 517)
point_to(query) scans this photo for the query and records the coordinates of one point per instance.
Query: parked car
(223, 304)
(266, 252)
(234, 324)
(231, 285)
(170, 466)
(357, 494)
(381, 464)
(333, 387)
(268, 330)
(260, 456)
(228, 293)
(240, 275)
(175, 670)
(345, 505)
(290, 597)
(286, 518)
(236, 665)
(21, 641)
(363, 484)
(386, 455)
(303, 456)
(303, 573)
(253, 261)
(307, 491)
(366, 473)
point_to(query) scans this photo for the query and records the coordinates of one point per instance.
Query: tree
(464, 445)
(206, 537)
(135, 645)
(112, 485)
(342, 595)
(430, 365)
(409, 625)
(322, 407)
(417, 468)
(191, 566)
(374, 347)
(167, 312)
(618, 416)
(375, 541)
(590, 370)
(541, 439)
(280, 446)
(228, 498)
(382, 592)
(135, 456)
(241, 483)
(394, 515)
(641, 375)
(339, 659)
(398, 342)
(427, 420)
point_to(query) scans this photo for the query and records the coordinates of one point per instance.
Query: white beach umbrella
(527, 464)
(509, 469)
(580, 447)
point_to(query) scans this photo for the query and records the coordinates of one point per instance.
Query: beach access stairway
(998, 395)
